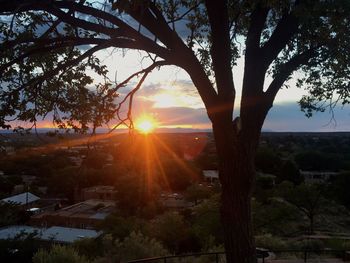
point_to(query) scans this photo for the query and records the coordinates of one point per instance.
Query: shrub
(139, 246)
(310, 244)
(270, 242)
(59, 254)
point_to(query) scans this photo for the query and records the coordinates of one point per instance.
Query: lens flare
(146, 124)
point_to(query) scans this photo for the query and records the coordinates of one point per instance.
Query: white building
(211, 175)
(317, 176)
(25, 198)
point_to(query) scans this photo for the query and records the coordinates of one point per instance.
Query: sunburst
(146, 124)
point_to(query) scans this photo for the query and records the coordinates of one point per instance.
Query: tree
(267, 160)
(19, 248)
(314, 160)
(163, 229)
(290, 172)
(197, 192)
(206, 222)
(47, 46)
(11, 214)
(338, 188)
(307, 199)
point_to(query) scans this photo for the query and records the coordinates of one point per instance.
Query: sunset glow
(146, 124)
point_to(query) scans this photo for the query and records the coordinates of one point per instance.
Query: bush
(139, 246)
(310, 244)
(270, 242)
(58, 254)
(173, 231)
(134, 246)
(89, 247)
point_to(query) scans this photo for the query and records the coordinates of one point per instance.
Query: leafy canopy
(48, 53)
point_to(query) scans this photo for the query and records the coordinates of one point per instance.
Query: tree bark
(237, 174)
(311, 226)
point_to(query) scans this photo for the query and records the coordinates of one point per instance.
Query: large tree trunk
(311, 223)
(237, 174)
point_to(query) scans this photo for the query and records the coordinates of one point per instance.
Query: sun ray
(159, 165)
(178, 160)
(35, 151)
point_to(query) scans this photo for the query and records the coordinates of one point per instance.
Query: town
(122, 197)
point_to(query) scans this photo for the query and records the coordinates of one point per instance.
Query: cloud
(182, 85)
(288, 117)
(180, 93)
(283, 117)
(180, 116)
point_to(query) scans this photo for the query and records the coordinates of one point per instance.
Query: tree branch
(65, 65)
(285, 29)
(258, 19)
(153, 20)
(129, 97)
(76, 41)
(286, 70)
(221, 51)
(254, 72)
(43, 48)
(180, 17)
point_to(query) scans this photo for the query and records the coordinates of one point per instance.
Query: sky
(169, 96)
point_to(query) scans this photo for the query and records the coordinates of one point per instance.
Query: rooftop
(100, 188)
(21, 199)
(211, 174)
(93, 208)
(54, 233)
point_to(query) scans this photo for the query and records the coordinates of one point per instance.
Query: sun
(146, 124)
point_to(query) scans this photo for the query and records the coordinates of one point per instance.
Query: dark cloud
(289, 117)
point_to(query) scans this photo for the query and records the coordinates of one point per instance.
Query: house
(174, 201)
(28, 179)
(211, 176)
(54, 234)
(317, 176)
(102, 192)
(76, 160)
(23, 199)
(67, 235)
(86, 214)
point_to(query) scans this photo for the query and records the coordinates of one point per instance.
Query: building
(28, 179)
(102, 192)
(54, 234)
(83, 215)
(317, 176)
(24, 199)
(211, 176)
(174, 201)
(76, 160)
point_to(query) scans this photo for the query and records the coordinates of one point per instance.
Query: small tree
(307, 199)
(196, 193)
(290, 172)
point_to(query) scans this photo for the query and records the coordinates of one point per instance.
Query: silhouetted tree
(290, 172)
(47, 47)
